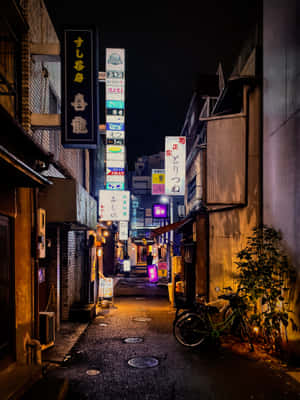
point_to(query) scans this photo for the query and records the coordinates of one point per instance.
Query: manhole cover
(103, 324)
(93, 372)
(133, 340)
(141, 319)
(143, 362)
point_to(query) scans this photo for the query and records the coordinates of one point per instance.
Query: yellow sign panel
(162, 273)
(158, 178)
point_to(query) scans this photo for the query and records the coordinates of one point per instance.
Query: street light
(164, 199)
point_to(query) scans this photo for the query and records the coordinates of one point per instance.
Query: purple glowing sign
(160, 211)
(152, 273)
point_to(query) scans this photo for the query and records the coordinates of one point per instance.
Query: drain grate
(141, 319)
(143, 362)
(133, 340)
(93, 372)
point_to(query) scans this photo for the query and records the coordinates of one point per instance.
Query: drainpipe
(36, 269)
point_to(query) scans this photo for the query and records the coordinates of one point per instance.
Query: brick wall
(44, 75)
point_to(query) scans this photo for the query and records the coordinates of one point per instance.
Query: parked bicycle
(205, 323)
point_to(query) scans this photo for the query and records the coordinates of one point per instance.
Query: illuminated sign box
(115, 153)
(106, 288)
(126, 266)
(123, 231)
(159, 211)
(114, 205)
(80, 116)
(175, 155)
(158, 181)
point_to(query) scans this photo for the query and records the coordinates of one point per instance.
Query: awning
(170, 227)
(15, 172)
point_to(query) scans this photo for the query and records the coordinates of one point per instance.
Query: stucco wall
(281, 139)
(228, 230)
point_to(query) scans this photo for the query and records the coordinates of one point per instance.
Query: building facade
(46, 198)
(281, 140)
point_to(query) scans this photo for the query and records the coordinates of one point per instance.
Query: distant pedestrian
(149, 259)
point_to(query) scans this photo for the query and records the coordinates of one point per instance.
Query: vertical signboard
(158, 181)
(123, 230)
(115, 113)
(175, 154)
(114, 205)
(80, 119)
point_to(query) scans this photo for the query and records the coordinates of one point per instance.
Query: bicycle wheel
(180, 315)
(190, 330)
(238, 326)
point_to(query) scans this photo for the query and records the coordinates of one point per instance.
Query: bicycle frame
(206, 312)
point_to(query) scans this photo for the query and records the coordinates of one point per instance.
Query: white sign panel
(115, 118)
(115, 153)
(126, 266)
(175, 154)
(123, 230)
(115, 168)
(106, 288)
(115, 93)
(114, 205)
(115, 61)
(115, 134)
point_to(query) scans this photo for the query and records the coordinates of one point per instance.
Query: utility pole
(171, 237)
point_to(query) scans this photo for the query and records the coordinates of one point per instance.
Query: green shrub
(267, 280)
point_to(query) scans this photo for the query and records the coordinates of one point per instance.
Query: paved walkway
(98, 364)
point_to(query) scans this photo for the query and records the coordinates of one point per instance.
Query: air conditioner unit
(47, 327)
(181, 211)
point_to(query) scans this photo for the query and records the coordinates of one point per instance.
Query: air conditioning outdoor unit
(47, 327)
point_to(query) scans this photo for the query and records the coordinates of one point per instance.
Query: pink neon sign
(152, 273)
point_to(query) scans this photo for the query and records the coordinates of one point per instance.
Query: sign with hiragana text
(80, 89)
(175, 153)
(114, 205)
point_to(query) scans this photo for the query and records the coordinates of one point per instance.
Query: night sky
(167, 45)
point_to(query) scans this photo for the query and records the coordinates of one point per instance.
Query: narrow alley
(102, 365)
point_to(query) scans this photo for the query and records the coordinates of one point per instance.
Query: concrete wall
(228, 230)
(226, 146)
(281, 122)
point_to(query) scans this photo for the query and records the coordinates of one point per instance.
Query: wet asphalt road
(180, 374)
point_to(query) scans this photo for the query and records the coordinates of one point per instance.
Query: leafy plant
(266, 277)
